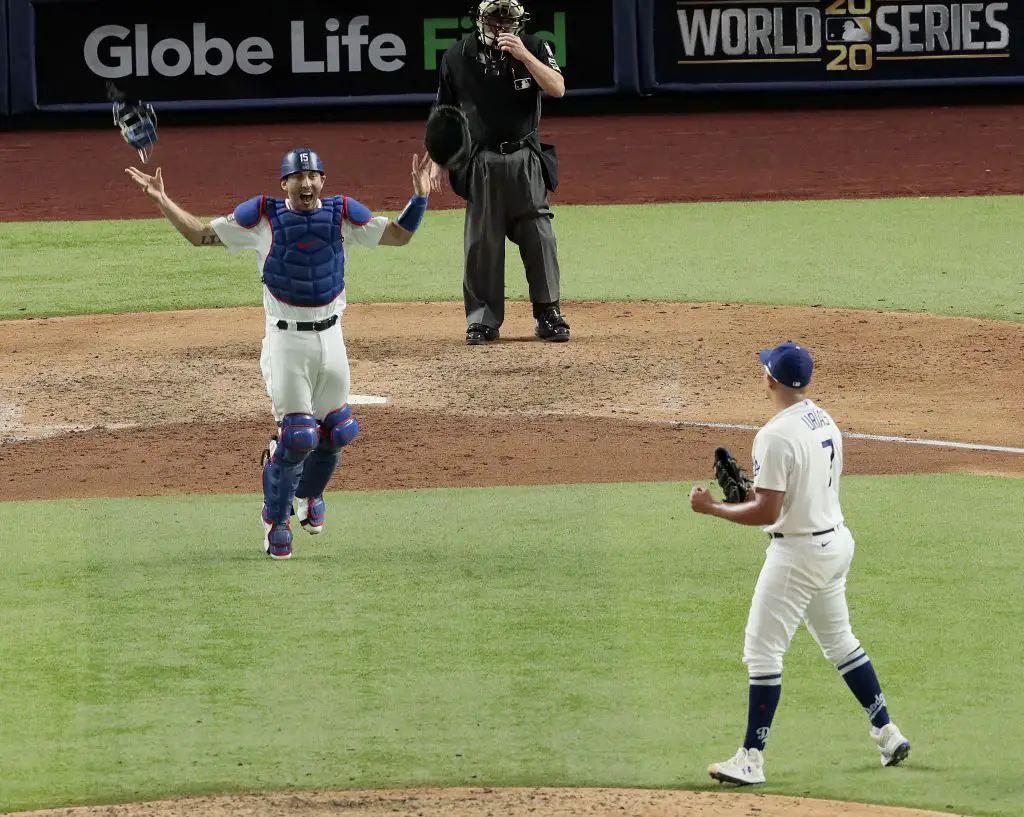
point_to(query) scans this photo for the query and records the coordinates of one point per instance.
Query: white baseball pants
(803, 579)
(305, 372)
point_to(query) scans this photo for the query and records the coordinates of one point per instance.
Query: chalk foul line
(881, 438)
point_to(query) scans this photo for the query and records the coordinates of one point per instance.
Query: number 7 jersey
(800, 451)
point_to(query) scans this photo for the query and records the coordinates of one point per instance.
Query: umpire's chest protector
(306, 264)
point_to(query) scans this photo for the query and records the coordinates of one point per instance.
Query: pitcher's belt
(795, 535)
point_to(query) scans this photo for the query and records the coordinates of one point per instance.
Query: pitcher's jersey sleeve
(773, 460)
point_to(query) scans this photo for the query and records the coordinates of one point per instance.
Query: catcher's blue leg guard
(298, 437)
(339, 428)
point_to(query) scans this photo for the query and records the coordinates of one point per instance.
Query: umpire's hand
(437, 175)
(513, 45)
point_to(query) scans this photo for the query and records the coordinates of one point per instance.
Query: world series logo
(848, 30)
(840, 35)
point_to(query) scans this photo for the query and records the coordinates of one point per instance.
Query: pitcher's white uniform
(800, 451)
(798, 464)
(304, 372)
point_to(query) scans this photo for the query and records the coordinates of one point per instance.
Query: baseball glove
(447, 138)
(735, 484)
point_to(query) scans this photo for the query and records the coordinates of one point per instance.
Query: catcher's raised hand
(152, 186)
(422, 174)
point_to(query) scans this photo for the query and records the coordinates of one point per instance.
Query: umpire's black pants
(507, 199)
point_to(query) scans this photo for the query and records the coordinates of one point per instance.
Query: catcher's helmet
(300, 160)
(494, 17)
(136, 120)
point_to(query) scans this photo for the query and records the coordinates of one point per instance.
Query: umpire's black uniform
(505, 184)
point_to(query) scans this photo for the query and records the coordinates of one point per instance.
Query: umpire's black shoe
(552, 326)
(478, 334)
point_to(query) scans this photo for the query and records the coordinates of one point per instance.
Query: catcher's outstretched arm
(192, 228)
(763, 509)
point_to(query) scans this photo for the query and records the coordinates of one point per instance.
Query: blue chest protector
(306, 264)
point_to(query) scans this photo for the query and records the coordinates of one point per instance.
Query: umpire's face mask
(303, 189)
(491, 25)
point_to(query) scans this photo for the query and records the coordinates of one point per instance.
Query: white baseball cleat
(310, 513)
(892, 745)
(744, 769)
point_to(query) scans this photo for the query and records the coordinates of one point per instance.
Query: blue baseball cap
(789, 364)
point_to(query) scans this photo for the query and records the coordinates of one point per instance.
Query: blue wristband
(412, 215)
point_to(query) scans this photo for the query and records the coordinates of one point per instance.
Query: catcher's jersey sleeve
(366, 235)
(237, 237)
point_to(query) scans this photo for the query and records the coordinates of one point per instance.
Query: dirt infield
(605, 407)
(127, 405)
(494, 802)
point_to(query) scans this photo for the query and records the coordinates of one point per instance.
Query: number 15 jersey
(800, 451)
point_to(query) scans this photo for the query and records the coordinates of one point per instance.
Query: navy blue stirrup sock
(860, 677)
(765, 691)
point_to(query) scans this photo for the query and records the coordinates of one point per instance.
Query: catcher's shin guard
(317, 472)
(282, 469)
(339, 428)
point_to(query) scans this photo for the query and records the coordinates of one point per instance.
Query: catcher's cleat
(310, 513)
(745, 768)
(477, 334)
(552, 326)
(277, 539)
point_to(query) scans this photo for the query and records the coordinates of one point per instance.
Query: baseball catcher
(731, 478)
(447, 140)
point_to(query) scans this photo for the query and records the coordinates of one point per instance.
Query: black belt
(816, 533)
(310, 326)
(504, 148)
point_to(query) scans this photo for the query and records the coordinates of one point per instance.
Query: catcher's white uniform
(304, 372)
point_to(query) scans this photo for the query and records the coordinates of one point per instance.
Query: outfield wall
(186, 55)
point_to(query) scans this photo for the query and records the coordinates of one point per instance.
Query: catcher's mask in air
(137, 122)
(494, 17)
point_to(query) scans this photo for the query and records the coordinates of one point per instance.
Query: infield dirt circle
(115, 403)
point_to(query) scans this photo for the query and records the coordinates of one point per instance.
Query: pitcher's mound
(485, 802)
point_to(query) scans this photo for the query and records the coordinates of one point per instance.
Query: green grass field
(589, 636)
(948, 256)
(565, 636)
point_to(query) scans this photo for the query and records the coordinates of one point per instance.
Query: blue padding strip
(412, 215)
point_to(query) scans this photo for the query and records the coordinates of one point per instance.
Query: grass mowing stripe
(560, 635)
(952, 256)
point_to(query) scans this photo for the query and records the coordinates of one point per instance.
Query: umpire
(497, 78)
